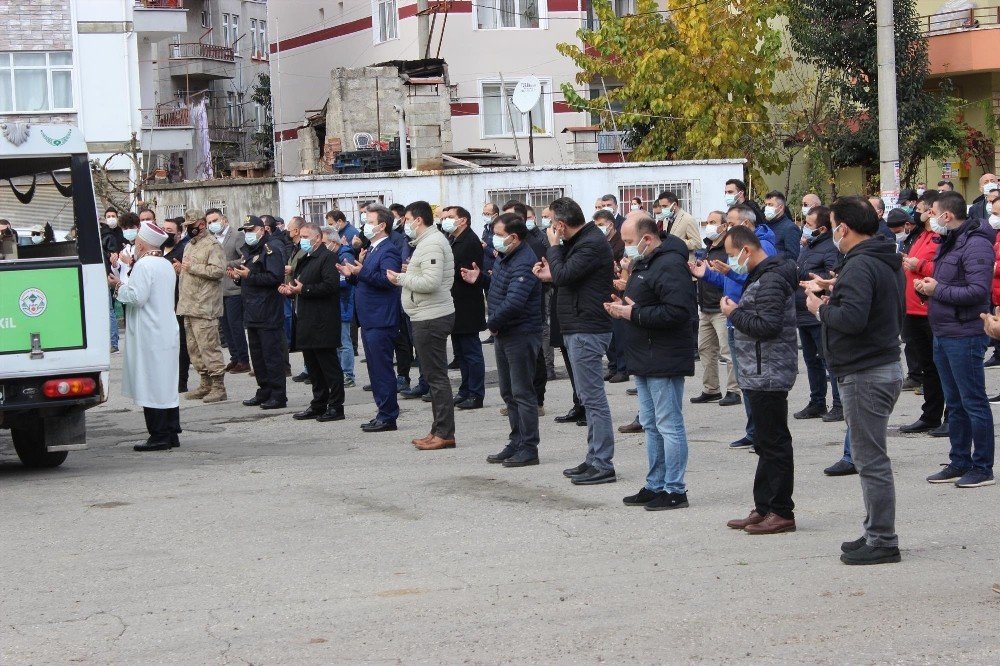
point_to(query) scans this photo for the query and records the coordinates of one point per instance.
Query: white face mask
(989, 187)
(837, 241)
(770, 212)
(530, 224)
(111, 222)
(546, 223)
(610, 209)
(411, 233)
(448, 225)
(920, 191)
(487, 220)
(369, 231)
(995, 221)
(937, 227)
(635, 207)
(730, 199)
(606, 229)
(37, 239)
(711, 231)
(901, 236)
(805, 210)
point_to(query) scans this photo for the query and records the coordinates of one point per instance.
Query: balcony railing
(612, 142)
(166, 115)
(199, 50)
(160, 4)
(960, 20)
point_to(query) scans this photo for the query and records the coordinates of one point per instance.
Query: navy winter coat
(818, 257)
(963, 269)
(515, 300)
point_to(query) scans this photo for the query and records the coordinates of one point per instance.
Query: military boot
(202, 390)
(218, 392)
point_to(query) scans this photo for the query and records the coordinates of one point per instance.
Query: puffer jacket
(732, 283)
(862, 321)
(766, 343)
(963, 269)
(819, 256)
(428, 278)
(583, 272)
(787, 234)
(514, 304)
(923, 247)
(200, 291)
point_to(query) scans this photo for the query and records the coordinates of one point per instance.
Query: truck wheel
(29, 443)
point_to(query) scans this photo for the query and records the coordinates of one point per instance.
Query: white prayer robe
(152, 338)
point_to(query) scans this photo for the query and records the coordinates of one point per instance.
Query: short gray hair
(311, 226)
(331, 234)
(298, 221)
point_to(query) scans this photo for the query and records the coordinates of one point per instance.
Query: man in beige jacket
(679, 222)
(200, 304)
(427, 300)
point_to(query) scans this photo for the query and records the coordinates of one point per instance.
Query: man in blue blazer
(377, 306)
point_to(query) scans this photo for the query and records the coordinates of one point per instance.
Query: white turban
(152, 234)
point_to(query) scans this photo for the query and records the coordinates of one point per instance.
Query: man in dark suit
(377, 308)
(470, 308)
(173, 251)
(315, 293)
(232, 299)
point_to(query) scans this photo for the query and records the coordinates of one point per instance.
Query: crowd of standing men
(846, 285)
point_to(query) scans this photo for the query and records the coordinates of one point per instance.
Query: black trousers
(920, 345)
(163, 425)
(541, 377)
(403, 345)
(772, 485)
(327, 378)
(572, 382)
(184, 360)
(268, 362)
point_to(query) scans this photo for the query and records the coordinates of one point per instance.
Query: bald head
(639, 229)
(987, 178)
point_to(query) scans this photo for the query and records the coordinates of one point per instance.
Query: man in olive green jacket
(426, 298)
(200, 303)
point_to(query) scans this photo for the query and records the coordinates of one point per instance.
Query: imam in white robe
(152, 338)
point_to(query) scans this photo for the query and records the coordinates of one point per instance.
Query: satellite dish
(526, 93)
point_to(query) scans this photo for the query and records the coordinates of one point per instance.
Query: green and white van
(54, 305)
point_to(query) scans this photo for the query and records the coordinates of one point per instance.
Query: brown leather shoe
(435, 443)
(239, 368)
(741, 523)
(425, 438)
(631, 428)
(772, 524)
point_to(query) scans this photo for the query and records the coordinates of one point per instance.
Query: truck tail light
(70, 387)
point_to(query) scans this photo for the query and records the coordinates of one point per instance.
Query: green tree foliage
(264, 139)
(693, 82)
(838, 38)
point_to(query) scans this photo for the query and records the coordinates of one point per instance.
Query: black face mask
(170, 242)
(193, 232)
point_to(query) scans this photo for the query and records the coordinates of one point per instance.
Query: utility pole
(888, 122)
(423, 29)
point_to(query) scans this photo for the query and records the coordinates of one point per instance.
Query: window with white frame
(36, 81)
(261, 51)
(206, 15)
(236, 34)
(173, 210)
(217, 203)
(254, 44)
(227, 38)
(499, 115)
(647, 192)
(231, 108)
(536, 197)
(623, 7)
(314, 209)
(385, 25)
(240, 116)
(258, 116)
(509, 14)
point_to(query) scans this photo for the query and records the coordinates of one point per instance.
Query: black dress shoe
(840, 468)
(574, 471)
(632, 391)
(572, 416)
(505, 453)
(731, 399)
(917, 426)
(153, 446)
(871, 555)
(368, 423)
(470, 403)
(453, 365)
(940, 431)
(174, 442)
(582, 422)
(253, 402)
(522, 459)
(459, 398)
(618, 378)
(334, 414)
(426, 398)
(594, 477)
(811, 411)
(706, 397)
(412, 393)
(379, 426)
(307, 414)
(366, 387)
(274, 404)
(850, 546)
(640, 498)
(301, 377)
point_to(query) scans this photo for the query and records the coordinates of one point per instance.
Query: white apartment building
(488, 45)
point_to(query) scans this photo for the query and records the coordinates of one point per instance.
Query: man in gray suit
(232, 300)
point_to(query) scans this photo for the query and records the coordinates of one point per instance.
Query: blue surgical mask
(770, 212)
(530, 224)
(632, 251)
(448, 225)
(306, 244)
(737, 267)
(369, 231)
(937, 227)
(411, 233)
(250, 237)
(215, 228)
(730, 199)
(908, 209)
(500, 244)
(808, 233)
(130, 234)
(545, 223)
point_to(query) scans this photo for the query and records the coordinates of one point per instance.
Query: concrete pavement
(268, 541)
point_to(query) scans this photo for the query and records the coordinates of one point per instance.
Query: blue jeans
(816, 368)
(585, 353)
(232, 327)
(288, 320)
(660, 403)
(469, 353)
(114, 321)
(736, 369)
(346, 350)
(970, 422)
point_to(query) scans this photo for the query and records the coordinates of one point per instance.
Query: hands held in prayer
(292, 288)
(471, 275)
(348, 269)
(619, 309)
(925, 287)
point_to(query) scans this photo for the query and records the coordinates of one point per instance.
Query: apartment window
(236, 34)
(206, 15)
(497, 112)
(227, 38)
(538, 198)
(648, 192)
(507, 14)
(240, 119)
(623, 7)
(231, 108)
(254, 45)
(36, 81)
(386, 23)
(258, 116)
(262, 40)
